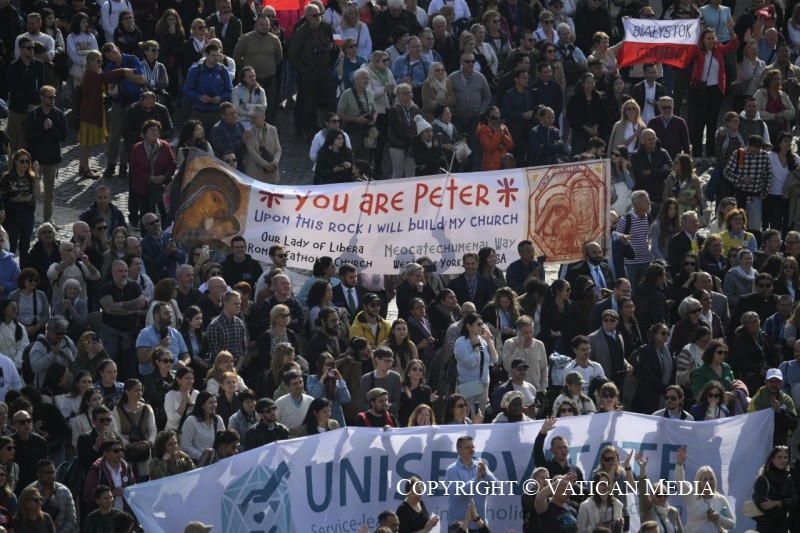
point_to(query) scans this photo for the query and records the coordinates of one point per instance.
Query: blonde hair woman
(627, 129)
(223, 362)
(436, 90)
(382, 84)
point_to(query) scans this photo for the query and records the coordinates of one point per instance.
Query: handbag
(136, 435)
(474, 387)
(750, 509)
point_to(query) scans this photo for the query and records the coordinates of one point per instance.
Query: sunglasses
(609, 395)
(671, 398)
(714, 395)
(566, 410)
(268, 410)
(165, 361)
(609, 319)
(23, 161)
(284, 315)
(608, 459)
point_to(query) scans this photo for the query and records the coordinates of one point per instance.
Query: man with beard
(378, 413)
(326, 338)
(593, 265)
(770, 396)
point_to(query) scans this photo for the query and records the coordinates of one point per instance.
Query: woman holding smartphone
(329, 384)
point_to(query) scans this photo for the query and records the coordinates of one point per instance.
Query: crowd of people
(129, 358)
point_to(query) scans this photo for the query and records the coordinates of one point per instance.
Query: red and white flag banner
(671, 42)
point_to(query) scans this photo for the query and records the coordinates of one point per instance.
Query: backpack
(70, 474)
(28, 375)
(572, 70)
(629, 219)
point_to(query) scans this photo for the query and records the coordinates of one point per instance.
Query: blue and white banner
(333, 483)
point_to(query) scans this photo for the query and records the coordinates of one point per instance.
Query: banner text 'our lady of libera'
(380, 226)
(672, 42)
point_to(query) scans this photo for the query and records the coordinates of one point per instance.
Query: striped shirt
(639, 236)
(791, 375)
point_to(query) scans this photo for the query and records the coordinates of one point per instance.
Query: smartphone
(476, 407)
(213, 31)
(331, 374)
(429, 268)
(205, 248)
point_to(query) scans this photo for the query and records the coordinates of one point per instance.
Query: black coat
(647, 365)
(428, 161)
(776, 485)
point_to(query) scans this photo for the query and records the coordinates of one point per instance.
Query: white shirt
(42, 38)
(290, 414)
(461, 8)
(109, 17)
(592, 370)
(649, 110)
(710, 72)
(779, 173)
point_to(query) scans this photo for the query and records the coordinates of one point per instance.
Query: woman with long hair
(774, 105)
(90, 353)
(415, 392)
(783, 163)
(664, 228)
(608, 398)
(711, 404)
(749, 71)
(127, 35)
(621, 179)
(13, 335)
(158, 383)
(116, 250)
(30, 518)
(318, 418)
(137, 425)
(585, 113)
(628, 326)
(487, 267)
(351, 26)
(168, 458)
(328, 383)
(706, 510)
(442, 312)
(474, 351)
(71, 402)
(320, 295)
(55, 384)
(19, 188)
(43, 254)
(106, 382)
(278, 332)
(228, 398)
(201, 427)
(558, 318)
(246, 416)
(422, 415)
(8, 500)
(603, 508)
(334, 160)
(266, 382)
(788, 281)
(226, 444)
(713, 369)
(626, 130)
(82, 422)
(457, 411)
(775, 492)
(684, 186)
(400, 343)
(192, 332)
(170, 36)
(178, 402)
(501, 314)
(412, 514)
(223, 362)
(437, 90)
(707, 91)
(496, 141)
(10, 468)
(612, 102)
(382, 84)
(192, 135)
(247, 94)
(79, 41)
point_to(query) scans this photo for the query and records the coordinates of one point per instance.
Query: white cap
(774, 373)
(422, 124)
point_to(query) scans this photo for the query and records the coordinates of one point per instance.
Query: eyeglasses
(714, 395)
(609, 395)
(23, 421)
(23, 161)
(689, 263)
(31, 280)
(608, 458)
(547, 22)
(165, 361)
(721, 352)
(152, 222)
(609, 319)
(387, 360)
(284, 315)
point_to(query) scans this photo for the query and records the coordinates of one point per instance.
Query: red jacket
(140, 166)
(719, 52)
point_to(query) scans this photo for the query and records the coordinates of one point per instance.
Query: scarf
(440, 86)
(448, 129)
(425, 328)
(383, 76)
(750, 276)
(728, 138)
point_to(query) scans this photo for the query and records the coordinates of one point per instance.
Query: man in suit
(622, 288)
(347, 294)
(470, 286)
(763, 301)
(608, 349)
(671, 130)
(647, 92)
(685, 241)
(594, 266)
(719, 302)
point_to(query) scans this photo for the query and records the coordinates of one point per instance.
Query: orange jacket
(495, 144)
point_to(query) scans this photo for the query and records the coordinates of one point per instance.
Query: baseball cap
(774, 373)
(519, 362)
(371, 297)
(574, 377)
